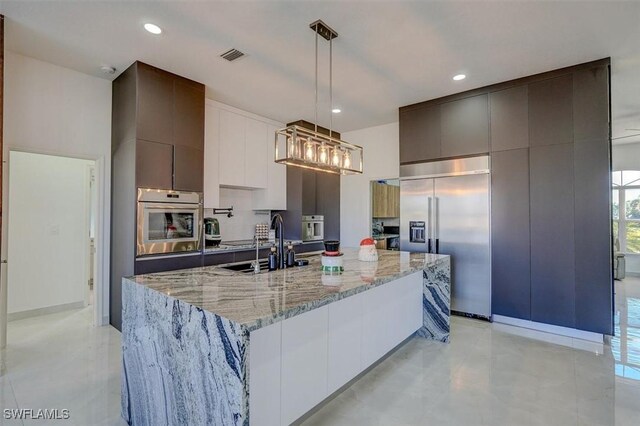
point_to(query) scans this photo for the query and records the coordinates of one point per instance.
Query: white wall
(242, 225)
(48, 231)
(381, 161)
(54, 110)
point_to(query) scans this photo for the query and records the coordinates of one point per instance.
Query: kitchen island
(212, 346)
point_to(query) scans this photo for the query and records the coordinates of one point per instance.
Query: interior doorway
(51, 234)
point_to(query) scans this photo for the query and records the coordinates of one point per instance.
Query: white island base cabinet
(296, 363)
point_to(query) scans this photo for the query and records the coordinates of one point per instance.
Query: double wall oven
(169, 222)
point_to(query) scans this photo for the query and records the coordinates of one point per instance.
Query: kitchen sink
(245, 267)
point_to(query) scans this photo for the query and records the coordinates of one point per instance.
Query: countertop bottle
(291, 256)
(273, 259)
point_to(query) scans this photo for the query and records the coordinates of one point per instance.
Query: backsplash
(242, 225)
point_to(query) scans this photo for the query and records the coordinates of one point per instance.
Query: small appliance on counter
(331, 257)
(313, 228)
(368, 252)
(212, 236)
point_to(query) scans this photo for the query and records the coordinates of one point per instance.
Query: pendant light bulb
(347, 160)
(309, 151)
(324, 155)
(335, 159)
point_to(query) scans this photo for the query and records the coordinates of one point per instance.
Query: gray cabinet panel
(188, 114)
(309, 192)
(552, 235)
(551, 111)
(510, 258)
(509, 118)
(188, 169)
(293, 215)
(328, 203)
(594, 276)
(464, 126)
(155, 105)
(591, 105)
(154, 165)
(420, 134)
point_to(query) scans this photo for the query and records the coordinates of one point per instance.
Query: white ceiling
(388, 53)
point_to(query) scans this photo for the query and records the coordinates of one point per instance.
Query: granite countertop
(254, 301)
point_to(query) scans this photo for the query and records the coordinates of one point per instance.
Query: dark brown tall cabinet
(157, 142)
(549, 140)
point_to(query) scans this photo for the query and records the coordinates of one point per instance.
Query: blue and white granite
(436, 301)
(181, 365)
(186, 334)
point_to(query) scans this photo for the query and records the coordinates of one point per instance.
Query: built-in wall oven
(168, 222)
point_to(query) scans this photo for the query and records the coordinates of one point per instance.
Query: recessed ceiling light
(336, 110)
(152, 28)
(459, 77)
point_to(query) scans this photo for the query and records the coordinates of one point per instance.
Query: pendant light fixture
(302, 147)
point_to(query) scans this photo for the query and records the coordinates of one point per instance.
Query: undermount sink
(245, 267)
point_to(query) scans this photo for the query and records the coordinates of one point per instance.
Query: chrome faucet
(256, 264)
(277, 223)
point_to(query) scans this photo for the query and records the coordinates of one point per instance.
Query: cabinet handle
(437, 245)
(429, 246)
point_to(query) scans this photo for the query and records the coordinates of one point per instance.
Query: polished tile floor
(62, 361)
(485, 376)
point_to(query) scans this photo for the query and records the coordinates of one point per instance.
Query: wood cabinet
(420, 134)
(188, 166)
(155, 104)
(188, 109)
(510, 240)
(154, 165)
(385, 200)
(509, 111)
(464, 126)
(309, 205)
(550, 146)
(553, 258)
(169, 130)
(444, 129)
(551, 111)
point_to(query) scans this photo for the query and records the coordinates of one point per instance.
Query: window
(625, 205)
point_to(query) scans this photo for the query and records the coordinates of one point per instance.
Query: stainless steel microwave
(168, 222)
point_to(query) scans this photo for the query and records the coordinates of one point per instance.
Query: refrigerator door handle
(437, 224)
(429, 236)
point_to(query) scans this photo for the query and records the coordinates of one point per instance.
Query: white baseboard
(553, 329)
(44, 311)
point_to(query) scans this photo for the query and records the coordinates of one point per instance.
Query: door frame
(102, 237)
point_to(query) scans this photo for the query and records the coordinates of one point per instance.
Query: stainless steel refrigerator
(444, 208)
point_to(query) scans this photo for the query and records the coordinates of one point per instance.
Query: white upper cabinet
(211, 157)
(240, 153)
(232, 149)
(255, 153)
(274, 197)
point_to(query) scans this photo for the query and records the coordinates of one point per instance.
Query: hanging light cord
(331, 86)
(316, 120)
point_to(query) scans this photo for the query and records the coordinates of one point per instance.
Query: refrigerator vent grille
(232, 55)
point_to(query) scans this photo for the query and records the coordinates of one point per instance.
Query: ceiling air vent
(232, 54)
